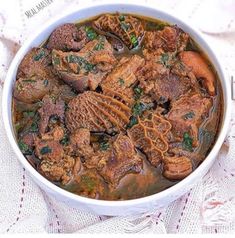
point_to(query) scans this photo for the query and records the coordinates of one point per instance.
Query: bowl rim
(7, 95)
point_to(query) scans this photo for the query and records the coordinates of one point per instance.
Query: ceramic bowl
(128, 207)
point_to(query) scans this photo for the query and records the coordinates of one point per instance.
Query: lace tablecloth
(207, 208)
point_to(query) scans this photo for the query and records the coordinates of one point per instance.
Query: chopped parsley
(65, 140)
(187, 143)
(134, 40)
(140, 107)
(133, 121)
(100, 44)
(45, 150)
(138, 92)
(24, 148)
(39, 56)
(122, 18)
(188, 115)
(104, 145)
(90, 33)
(83, 63)
(46, 82)
(34, 127)
(164, 59)
(121, 81)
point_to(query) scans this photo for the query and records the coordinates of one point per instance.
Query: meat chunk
(129, 29)
(67, 37)
(80, 141)
(48, 109)
(118, 83)
(150, 136)
(117, 161)
(37, 62)
(164, 77)
(56, 164)
(176, 168)
(87, 68)
(200, 68)
(170, 39)
(187, 114)
(57, 171)
(96, 112)
(31, 90)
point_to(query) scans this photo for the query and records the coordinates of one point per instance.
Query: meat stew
(116, 107)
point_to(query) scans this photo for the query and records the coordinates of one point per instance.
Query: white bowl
(127, 207)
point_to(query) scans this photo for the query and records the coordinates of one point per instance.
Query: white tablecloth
(208, 208)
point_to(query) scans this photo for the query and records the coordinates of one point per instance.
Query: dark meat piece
(31, 90)
(80, 141)
(118, 83)
(200, 68)
(37, 62)
(96, 112)
(164, 77)
(187, 114)
(116, 44)
(50, 150)
(56, 164)
(119, 160)
(57, 171)
(48, 109)
(150, 136)
(87, 68)
(176, 168)
(67, 37)
(171, 39)
(129, 29)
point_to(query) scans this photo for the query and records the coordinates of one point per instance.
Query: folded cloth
(207, 208)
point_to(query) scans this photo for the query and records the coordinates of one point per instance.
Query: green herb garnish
(188, 115)
(138, 92)
(155, 26)
(24, 148)
(83, 63)
(34, 127)
(133, 121)
(122, 18)
(104, 145)
(45, 150)
(65, 140)
(46, 82)
(187, 142)
(39, 56)
(164, 59)
(100, 45)
(121, 81)
(90, 33)
(140, 107)
(134, 40)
